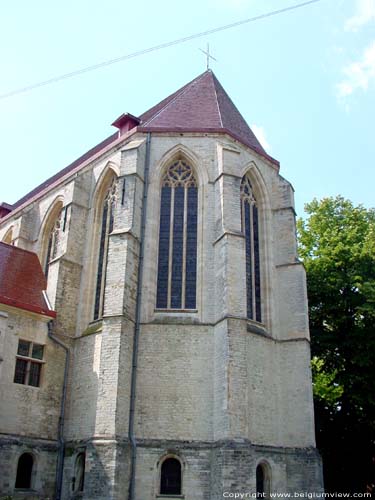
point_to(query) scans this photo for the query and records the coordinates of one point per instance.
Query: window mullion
(27, 375)
(252, 259)
(170, 248)
(104, 262)
(184, 249)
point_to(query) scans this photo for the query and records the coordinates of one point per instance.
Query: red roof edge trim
(27, 307)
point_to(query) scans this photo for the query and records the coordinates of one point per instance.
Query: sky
(304, 80)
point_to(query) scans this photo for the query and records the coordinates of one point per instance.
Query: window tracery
(250, 227)
(177, 261)
(106, 227)
(53, 241)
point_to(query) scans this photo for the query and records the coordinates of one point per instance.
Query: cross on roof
(209, 56)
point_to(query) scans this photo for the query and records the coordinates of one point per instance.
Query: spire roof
(200, 106)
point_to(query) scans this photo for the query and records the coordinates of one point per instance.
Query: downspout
(60, 432)
(131, 436)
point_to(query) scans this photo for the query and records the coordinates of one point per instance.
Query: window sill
(19, 384)
(258, 328)
(177, 311)
(171, 497)
(94, 327)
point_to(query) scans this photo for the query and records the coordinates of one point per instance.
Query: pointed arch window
(263, 481)
(177, 262)
(106, 227)
(78, 480)
(170, 477)
(250, 228)
(52, 245)
(54, 236)
(24, 471)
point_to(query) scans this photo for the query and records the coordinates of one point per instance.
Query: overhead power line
(153, 49)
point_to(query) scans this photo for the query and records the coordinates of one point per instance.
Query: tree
(337, 246)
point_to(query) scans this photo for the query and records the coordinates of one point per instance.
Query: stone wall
(217, 390)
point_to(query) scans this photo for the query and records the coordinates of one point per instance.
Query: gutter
(60, 432)
(131, 435)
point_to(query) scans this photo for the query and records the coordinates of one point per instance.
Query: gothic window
(170, 477)
(54, 236)
(250, 228)
(78, 479)
(263, 481)
(29, 363)
(24, 471)
(106, 227)
(177, 265)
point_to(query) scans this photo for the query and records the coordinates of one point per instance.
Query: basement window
(170, 477)
(24, 471)
(29, 361)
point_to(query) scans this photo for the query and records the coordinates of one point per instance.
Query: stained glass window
(177, 264)
(106, 227)
(250, 228)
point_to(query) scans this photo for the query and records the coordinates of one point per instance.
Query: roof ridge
(180, 93)
(217, 99)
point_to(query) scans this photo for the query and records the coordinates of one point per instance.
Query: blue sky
(304, 80)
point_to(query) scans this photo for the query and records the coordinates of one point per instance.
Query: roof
(202, 106)
(22, 281)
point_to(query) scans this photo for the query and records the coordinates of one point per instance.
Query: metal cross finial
(209, 56)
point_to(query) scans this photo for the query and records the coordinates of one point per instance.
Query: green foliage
(325, 386)
(337, 246)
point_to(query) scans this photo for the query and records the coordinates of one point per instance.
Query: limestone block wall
(84, 382)
(196, 470)
(44, 470)
(26, 410)
(175, 382)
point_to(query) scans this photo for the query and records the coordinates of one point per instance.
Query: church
(154, 337)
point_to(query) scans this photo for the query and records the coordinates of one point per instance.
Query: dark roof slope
(66, 170)
(22, 280)
(201, 105)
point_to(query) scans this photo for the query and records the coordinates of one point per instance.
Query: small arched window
(106, 227)
(24, 471)
(250, 228)
(78, 480)
(177, 262)
(170, 477)
(263, 482)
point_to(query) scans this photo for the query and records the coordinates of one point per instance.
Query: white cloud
(261, 136)
(359, 74)
(365, 14)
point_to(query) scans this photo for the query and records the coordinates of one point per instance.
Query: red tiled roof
(22, 280)
(202, 105)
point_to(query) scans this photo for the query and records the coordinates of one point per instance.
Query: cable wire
(153, 49)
